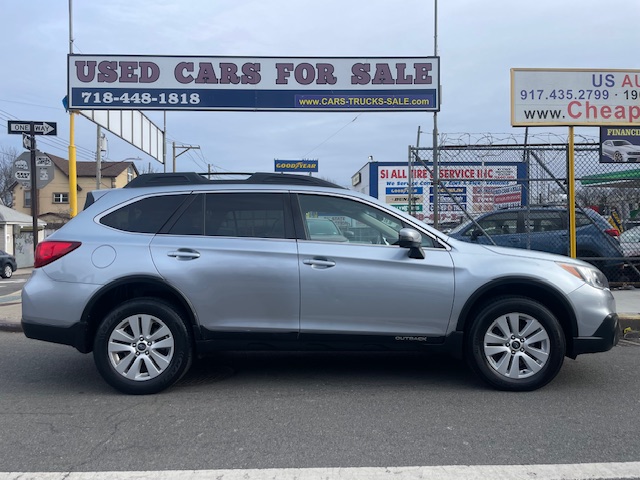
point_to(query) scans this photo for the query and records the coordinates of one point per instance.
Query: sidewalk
(627, 304)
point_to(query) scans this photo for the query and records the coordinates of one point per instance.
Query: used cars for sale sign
(118, 82)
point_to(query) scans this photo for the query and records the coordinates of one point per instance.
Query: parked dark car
(546, 229)
(8, 264)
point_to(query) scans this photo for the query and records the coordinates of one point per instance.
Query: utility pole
(410, 179)
(185, 149)
(99, 159)
(436, 168)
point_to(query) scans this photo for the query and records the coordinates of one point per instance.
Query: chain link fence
(516, 195)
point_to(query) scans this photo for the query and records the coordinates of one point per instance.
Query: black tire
(7, 271)
(515, 344)
(142, 347)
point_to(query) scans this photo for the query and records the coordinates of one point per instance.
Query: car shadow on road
(332, 368)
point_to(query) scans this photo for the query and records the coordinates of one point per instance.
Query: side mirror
(476, 233)
(349, 234)
(411, 239)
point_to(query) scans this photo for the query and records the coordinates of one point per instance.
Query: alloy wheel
(141, 347)
(516, 345)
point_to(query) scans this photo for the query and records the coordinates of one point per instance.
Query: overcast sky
(478, 42)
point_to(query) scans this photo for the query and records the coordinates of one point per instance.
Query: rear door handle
(319, 262)
(184, 254)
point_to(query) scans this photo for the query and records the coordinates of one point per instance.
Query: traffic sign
(40, 128)
(43, 161)
(28, 141)
(21, 170)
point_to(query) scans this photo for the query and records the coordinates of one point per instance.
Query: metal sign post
(34, 188)
(18, 127)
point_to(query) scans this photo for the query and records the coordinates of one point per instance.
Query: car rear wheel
(516, 343)
(142, 347)
(617, 156)
(7, 271)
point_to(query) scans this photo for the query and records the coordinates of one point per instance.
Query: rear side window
(259, 215)
(543, 221)
(144, 216)
(582, 220)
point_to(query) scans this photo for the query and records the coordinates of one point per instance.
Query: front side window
(502, 223)
(337, 219)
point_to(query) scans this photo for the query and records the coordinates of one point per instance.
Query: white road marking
(578, 471)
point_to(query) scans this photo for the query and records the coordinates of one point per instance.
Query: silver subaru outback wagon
(176, 265)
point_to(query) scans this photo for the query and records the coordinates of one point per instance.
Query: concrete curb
(10, 327)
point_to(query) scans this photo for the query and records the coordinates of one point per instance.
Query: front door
(361, 282)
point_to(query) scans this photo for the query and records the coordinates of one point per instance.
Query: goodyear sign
(296, 166)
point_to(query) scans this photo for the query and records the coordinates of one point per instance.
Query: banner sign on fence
(472, 186)
(556, 97)
(127, 82)
(619, 144)
(296, 166)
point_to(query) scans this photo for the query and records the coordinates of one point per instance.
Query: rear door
(233, 255)
(546, 231)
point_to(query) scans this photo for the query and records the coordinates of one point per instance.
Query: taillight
(614, 232)
(51, 250)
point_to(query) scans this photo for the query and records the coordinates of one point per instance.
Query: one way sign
(40, 128)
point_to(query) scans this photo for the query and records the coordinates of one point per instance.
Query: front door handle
(184, 254)
(319, 262)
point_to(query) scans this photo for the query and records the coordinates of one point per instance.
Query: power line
(331, 136)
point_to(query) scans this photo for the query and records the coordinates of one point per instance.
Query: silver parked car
(175, 265)
(621, 151)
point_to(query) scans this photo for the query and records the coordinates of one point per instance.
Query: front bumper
(603, 339)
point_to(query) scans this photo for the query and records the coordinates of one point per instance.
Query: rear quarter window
(144, 216)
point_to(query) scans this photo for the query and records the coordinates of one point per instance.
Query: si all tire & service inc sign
(574, 97)
(118, 82)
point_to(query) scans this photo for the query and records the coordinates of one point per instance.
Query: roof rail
(193, 178)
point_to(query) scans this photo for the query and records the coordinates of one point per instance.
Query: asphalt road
(14, 284)
(276, 410)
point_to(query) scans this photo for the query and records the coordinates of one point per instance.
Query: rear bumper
(74, 335)
(604, 338)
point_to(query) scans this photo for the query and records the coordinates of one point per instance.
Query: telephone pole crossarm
(185, 148)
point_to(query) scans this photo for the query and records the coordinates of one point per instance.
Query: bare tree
(7, 157)
(148, 169)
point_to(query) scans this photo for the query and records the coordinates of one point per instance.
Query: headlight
(590, 275)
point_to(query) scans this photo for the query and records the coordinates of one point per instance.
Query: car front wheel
(7, 271)
(142, 347)
(516, 343)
